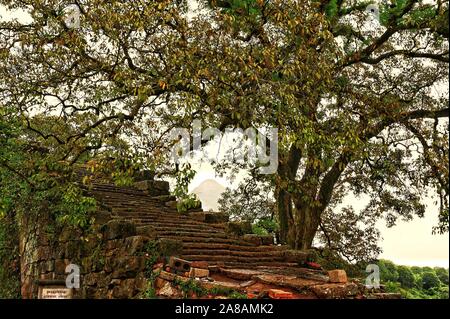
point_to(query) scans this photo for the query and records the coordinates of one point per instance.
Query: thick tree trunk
(284, 213)
(297, 228)
(304, 228)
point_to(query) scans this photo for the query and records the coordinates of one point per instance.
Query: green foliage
(416, 17)
(442, 274)
(388, 271)
(265, 226)
(74, 208)
(237, 295)
(405, 277)
(331, 9)
(150, 292)
(238, 7)
(152, 254)
(188, 202)
(185, 201)
(414, 282)
(9, 259)
(190, 287)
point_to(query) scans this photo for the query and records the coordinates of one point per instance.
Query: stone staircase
(201, 241)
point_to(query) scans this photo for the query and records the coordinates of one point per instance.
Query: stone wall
(112, 258)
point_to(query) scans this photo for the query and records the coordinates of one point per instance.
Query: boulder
(169, 291)
(198, 273)
(337, 276)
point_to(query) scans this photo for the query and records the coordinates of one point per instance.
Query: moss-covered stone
(118, 229)
(147, 230)
(170, 247)
(238, 228)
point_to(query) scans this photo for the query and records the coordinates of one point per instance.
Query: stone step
(196, 228)
(192, 233)
(190, 239)
(275, 265)
(234, 252)
(219, 246)
(218, 258)
(178, 224)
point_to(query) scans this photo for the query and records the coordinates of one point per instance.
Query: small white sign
(56, 293)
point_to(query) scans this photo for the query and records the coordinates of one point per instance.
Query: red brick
(280, 294)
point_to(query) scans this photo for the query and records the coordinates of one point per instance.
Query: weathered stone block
(267, 240)
(159, 282)
(240, 274)
(46, 266)
(126, 267)
(169, 291)
(216, 217)
(141, 282)
(118, 229)
(200, 264)
(165, 198)
(147, 231)
(60, 266)
(335, 291)
(238, 228)
(198, 273)
(90, 279)
(210, 217)
(43, 253)
(200, 216)
(102, 217)
(170, 247)
(154, 188)
(384, 295)
(72, 250)
(144, 175)
(252, 238)
(113, 244)
(125, 290)
(296, 256)
(337, 276)
(171, 204)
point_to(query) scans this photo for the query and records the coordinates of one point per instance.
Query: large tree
(358, 106)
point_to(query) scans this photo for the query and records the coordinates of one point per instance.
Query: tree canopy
(360, 105)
